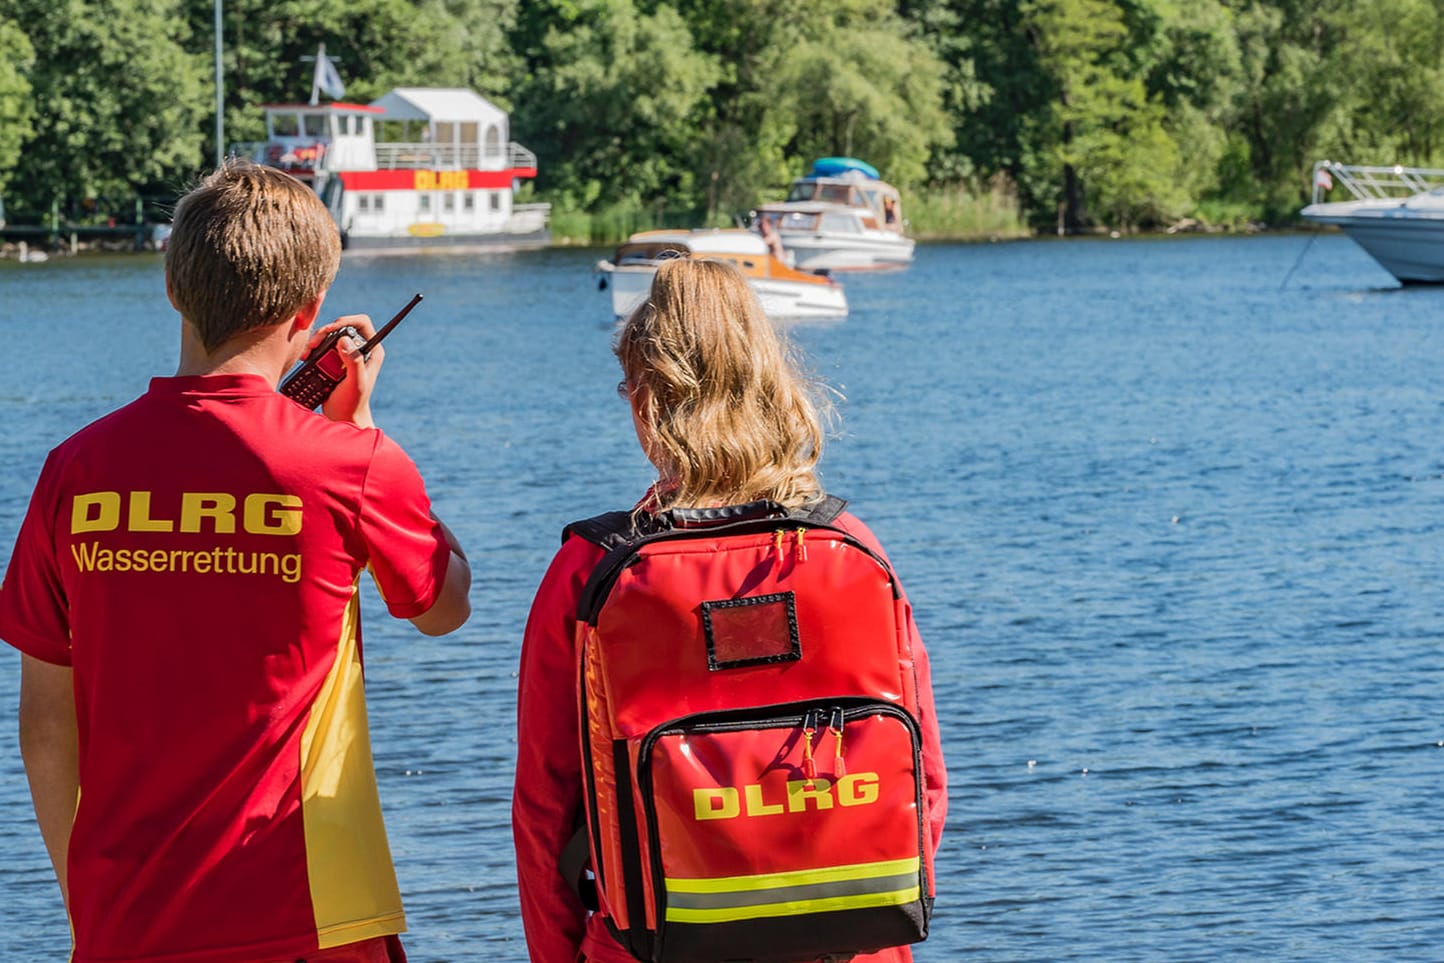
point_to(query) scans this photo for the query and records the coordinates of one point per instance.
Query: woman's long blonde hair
(731, 417)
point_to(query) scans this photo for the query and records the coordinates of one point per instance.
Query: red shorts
(382, 949)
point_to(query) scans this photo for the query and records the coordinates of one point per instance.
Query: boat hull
(459, 243)
(1407, 242)
(821, 252)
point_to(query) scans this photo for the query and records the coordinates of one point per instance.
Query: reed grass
(614, 223)
(954, 212)
(950, 212)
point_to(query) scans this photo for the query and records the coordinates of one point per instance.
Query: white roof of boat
(438, 103)
(854, 178)
(706, 242)
(812, 207)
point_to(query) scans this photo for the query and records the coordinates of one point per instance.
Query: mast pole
(220, 94)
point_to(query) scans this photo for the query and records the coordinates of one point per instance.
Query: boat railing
(391, 156)
(527, 218)
(1374, 183)
(519, 156)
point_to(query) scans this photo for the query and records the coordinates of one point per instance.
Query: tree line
(1092, 113)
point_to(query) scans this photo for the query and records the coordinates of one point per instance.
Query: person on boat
(772, 239)
(184, 595)
(686, 355)
(889, 213)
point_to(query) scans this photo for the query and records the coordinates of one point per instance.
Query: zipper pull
(802, 544)
(839, 768)
(809, 727)
(777, 538)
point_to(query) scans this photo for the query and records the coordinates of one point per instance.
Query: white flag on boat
(326, 79)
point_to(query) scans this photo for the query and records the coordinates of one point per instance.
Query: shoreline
(23, 250)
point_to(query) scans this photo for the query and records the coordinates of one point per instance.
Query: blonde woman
(726, 420)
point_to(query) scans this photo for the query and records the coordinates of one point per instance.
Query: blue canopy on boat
(835, 166)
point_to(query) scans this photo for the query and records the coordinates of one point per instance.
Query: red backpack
(750, 746)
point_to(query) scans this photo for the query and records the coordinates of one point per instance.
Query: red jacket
(547, 800)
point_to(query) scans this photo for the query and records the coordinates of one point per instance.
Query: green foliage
(1394, 69)
(612, 102)
(1110, 113)
(854, 83)
(17, 57)
(118, 99)
(1104, 132)
(270, 46)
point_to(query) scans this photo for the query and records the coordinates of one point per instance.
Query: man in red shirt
(184, 593)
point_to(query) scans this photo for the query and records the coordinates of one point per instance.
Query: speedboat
(1396, 214)
(840, 216)
(785, 292)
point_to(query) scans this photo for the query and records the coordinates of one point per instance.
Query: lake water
(1173, 529)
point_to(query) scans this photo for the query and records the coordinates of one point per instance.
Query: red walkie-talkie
(313, 380)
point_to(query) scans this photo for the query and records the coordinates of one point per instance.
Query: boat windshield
(798, 221)
(646, 252)
(840, 224)
(822, 191)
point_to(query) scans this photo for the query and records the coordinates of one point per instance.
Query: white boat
(1396, 214)
(785, 293)
(417, 168)
(841, 216)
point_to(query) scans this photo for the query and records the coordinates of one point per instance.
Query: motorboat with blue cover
(840, 216)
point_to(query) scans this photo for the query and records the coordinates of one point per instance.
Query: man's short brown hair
(249, 247)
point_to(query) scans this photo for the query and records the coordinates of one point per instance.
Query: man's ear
(306, 316)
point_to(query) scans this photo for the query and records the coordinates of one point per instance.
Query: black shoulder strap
(621, 533)
(825, 511)
(609, 530)
(612, 530)
(573, 865)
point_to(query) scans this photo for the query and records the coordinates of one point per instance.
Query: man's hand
(351, 401)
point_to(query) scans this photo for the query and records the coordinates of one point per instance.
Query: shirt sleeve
(34, 608)
(406, 550)
(547, 799)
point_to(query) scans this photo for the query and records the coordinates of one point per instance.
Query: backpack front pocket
(785, 832)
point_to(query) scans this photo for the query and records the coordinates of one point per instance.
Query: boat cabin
(304, 140)
(851, 183)
(743, 249)
(870, 196)
(831, 219)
